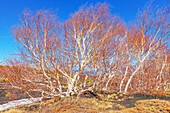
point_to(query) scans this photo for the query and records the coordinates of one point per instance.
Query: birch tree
(148, 36)
(89, 36)
(66, 55)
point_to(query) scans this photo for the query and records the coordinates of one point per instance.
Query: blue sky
(11, 10)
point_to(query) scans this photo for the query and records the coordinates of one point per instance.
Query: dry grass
(82, 105)
(101, 104)
(153, 105)
(15, 111)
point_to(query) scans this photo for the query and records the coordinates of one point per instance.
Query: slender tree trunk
(127, 85)
(123, 79)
